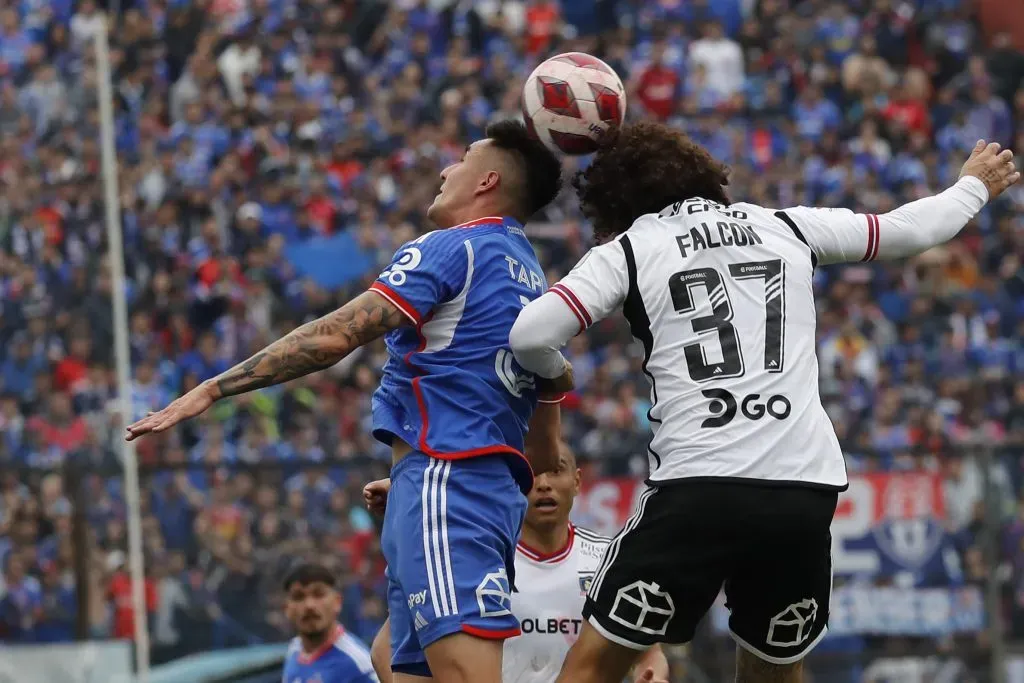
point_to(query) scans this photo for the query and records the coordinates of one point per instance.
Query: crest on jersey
(493, 596)
(585, 582)
(644, 607)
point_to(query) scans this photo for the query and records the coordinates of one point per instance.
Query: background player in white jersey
(555, 562)
(745, 467)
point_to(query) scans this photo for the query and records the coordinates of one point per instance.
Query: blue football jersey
(342, 659)
(451, 387)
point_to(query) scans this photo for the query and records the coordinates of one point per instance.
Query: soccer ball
(571, 101)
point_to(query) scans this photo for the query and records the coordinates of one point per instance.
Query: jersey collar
(549, 558)
(507, 221)
(332, 638)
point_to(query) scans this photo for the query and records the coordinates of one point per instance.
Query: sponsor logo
(493, 596)
(592, 550)
(643, 607)
(552, 626)
(417, 599)
(418, 621)
(793, 625)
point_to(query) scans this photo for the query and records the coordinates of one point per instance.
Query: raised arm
(596, 286)
(314, 346)
(840, 235)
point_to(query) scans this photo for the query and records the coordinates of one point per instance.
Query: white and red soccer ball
(571, 101)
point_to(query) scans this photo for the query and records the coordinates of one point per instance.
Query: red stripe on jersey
(489, 634)
(878, 236)
(872, 237)
(480, 221)
(454, 455)
(310, 657)
(575, 299)
(568, 302)
(551, 558)
(398, 300)
(555, 401)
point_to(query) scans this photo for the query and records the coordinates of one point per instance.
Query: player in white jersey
(745, 467)
(554, 564)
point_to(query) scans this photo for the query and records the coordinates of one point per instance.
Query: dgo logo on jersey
(492, 595)
(643, 607)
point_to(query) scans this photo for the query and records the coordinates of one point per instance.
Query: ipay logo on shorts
(492, 595)
(417, 599)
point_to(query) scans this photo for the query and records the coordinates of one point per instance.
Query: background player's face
(462, 182)
(551, 498)
(312, 608)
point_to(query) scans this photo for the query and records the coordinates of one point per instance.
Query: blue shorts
(449, 537)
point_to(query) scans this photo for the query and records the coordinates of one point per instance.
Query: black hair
(542, 171)
(645, 167)
(307, 573)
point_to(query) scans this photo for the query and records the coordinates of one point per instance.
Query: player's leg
(750, 667)
(402, 545)
(780, 588)
(459, 525)
(659, 576)
(380, 653)
(463, 658)
(594, 658)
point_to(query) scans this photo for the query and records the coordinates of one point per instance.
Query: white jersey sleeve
(840, 235)
(595, 287)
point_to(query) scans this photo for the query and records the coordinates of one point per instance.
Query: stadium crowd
(274, 153)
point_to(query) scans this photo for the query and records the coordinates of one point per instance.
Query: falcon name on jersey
(451, 387)
(342, 658)
(548, 601)
(721, 299)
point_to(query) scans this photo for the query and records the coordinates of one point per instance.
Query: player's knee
(752, 669)
(380, 655)
(462, 658)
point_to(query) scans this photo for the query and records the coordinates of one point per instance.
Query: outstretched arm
(314, 346)
(839, 235)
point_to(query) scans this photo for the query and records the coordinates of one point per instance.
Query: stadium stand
(274, 153)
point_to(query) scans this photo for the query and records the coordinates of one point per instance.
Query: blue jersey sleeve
(426, 272)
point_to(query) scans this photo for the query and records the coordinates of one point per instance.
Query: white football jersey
(721, 299)
(548, 601)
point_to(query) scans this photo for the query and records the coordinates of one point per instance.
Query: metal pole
(121, 354)
(990, 545)
(81, 549)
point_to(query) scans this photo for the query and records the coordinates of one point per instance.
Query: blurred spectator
(273, 155)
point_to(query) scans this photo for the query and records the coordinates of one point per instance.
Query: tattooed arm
(314, 346)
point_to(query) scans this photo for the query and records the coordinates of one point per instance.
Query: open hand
(375, 495)
(991, 166)
(184, 408)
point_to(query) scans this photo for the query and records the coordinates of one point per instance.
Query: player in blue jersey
(453, 404)
(322, 652)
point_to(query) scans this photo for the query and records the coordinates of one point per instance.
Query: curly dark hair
(642, 169)
(541, 170)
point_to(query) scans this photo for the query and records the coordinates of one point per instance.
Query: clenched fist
(991, 166)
